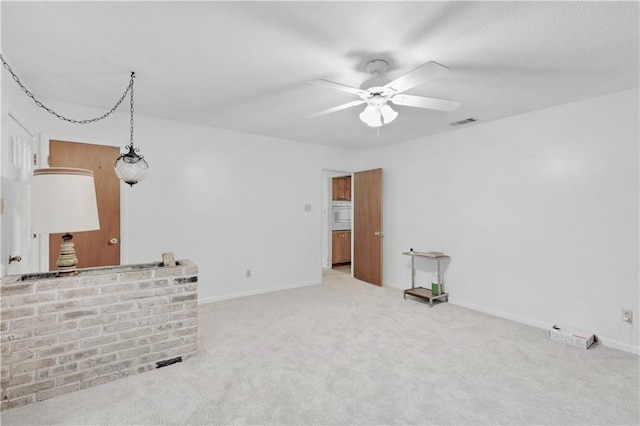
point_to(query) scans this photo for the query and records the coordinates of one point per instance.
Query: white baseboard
(501, 314)
(605, 341)
(387, 283)
(202, 301)
(611, 343)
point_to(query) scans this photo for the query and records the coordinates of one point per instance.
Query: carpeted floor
(347, 352)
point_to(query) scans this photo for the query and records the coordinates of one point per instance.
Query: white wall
(228, 201)
(539, 213)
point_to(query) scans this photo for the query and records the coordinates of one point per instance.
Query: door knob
(17, 258)
(113, 241)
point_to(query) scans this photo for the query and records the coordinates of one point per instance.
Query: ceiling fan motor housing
(377, 100)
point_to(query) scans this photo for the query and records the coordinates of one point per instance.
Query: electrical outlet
(248, 273)
(627, 315)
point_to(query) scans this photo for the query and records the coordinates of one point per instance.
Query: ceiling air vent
(462, 122)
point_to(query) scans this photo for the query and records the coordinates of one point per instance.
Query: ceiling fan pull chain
(61, 117)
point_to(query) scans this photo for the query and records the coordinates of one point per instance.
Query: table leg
(413, 273)
(440, 283)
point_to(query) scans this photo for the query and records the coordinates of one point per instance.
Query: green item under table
(422, 292)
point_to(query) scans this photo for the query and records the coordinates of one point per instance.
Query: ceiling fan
(378, 92)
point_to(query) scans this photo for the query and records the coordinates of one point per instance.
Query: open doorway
(337, 241)
(362, 241)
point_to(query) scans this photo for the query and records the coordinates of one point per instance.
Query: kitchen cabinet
(342, 188)
(341, 247)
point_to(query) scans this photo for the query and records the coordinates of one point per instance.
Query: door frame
(124, 195)
(326, 196)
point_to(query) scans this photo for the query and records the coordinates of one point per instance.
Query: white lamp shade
(63, 200)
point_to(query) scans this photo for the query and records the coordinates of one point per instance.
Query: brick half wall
(60, 335)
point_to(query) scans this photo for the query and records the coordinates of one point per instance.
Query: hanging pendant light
(130, 167)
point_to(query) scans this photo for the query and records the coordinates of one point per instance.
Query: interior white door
(20, 249)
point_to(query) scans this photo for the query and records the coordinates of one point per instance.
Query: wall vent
(461, 122)
(166, 362)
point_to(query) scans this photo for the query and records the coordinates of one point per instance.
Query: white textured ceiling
(245, 66)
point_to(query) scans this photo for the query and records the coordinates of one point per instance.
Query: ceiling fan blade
(337, 108)
(419, 75)
(424, 102)
(341, 87)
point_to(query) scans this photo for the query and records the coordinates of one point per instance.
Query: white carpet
(347, 352)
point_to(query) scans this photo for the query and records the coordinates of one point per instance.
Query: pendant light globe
(131, 168)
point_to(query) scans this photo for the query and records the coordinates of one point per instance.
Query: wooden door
(101, 247)
(367, 226)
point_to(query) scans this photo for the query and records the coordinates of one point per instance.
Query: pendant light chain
(71, 120)
(131, 109)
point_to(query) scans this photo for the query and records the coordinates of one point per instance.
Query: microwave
(341, 216)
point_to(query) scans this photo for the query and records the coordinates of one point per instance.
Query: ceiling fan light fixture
(371, 116)
(388, 114)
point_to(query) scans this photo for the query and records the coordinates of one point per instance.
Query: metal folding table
(421, 292)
